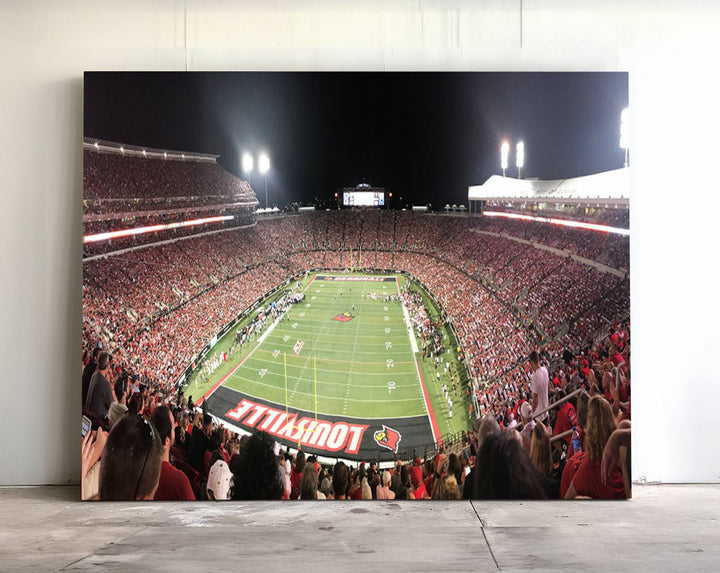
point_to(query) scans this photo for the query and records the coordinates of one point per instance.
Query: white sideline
(408, 324)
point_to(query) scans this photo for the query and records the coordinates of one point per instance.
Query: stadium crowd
(148, 446)
(123, 192)
(115, 175)
(150, 311)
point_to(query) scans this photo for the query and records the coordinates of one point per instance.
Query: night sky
(424, 136)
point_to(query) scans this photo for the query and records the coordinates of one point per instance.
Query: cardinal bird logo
(388, 438)
(343, 317)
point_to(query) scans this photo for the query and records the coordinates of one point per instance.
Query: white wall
(670, 49)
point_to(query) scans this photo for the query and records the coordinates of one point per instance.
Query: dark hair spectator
(505, 471)
(340, 480)
(296, 474)
(255, 470)
(131, 460)
(309, 483)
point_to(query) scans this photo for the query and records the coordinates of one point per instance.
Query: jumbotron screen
(363, 199)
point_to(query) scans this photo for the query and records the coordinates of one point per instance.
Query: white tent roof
(611, 187)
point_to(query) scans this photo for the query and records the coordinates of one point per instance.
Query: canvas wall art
(355, 286)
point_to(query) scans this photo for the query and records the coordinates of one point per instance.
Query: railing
(447, 442)
(557, 403)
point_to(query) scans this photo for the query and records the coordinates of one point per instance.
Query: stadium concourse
(151, 301)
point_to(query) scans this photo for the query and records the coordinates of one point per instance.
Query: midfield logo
(344, 317)
(388, 438)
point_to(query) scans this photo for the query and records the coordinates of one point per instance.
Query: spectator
(455, 468)
(340, 480)
(588, 480)
(384, 491)
(366, 490)
(284, 473)
(92, 449)
(404, 487)
(174, 484)
(220, 481)
(450, 489)
(542, 460)
(308, 483)
(100, 393)
(87, 373)
(526, 413)
(355, 491)
(256, 474)
(326, 488)
(539, 386)
(200, 443)
(505, 470)
(617, 455)
(418, 487)
(565, 420)
(119, 408)
(296, 475)
(131, 460)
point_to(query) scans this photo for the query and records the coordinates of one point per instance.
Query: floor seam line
(482, 527)
(95, 551)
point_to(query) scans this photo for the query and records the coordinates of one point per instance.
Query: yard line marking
(280, 406)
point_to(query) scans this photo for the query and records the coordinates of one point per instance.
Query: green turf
(343, 367)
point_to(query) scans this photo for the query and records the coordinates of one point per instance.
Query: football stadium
(390, 347)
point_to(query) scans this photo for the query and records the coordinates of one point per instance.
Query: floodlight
(504, 150)
(264, 163)
(247, 162)
(520, 154)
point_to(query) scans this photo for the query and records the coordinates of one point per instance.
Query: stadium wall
(670, 49)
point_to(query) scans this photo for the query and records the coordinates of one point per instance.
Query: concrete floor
(664, 528)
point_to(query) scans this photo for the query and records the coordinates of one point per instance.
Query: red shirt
(421, 492)
(566, 420)
(174, 485)
(624, 392)
(295, 477)
(588, 482)
(568, 474)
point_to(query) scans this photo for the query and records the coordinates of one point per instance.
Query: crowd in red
(122, 192)
(154, 308)
(118, 176)
(503, 296)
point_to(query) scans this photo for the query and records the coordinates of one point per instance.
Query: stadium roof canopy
(608, 187)
(93, 144)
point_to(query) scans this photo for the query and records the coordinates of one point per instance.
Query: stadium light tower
(520, 155)
(625, 134)
(504, 150)
(247, 163)
(264, 166)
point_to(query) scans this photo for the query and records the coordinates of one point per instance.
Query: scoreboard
(363, 198)
(363, 195)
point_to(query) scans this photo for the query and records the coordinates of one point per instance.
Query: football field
(344, 350)
(339, 372)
